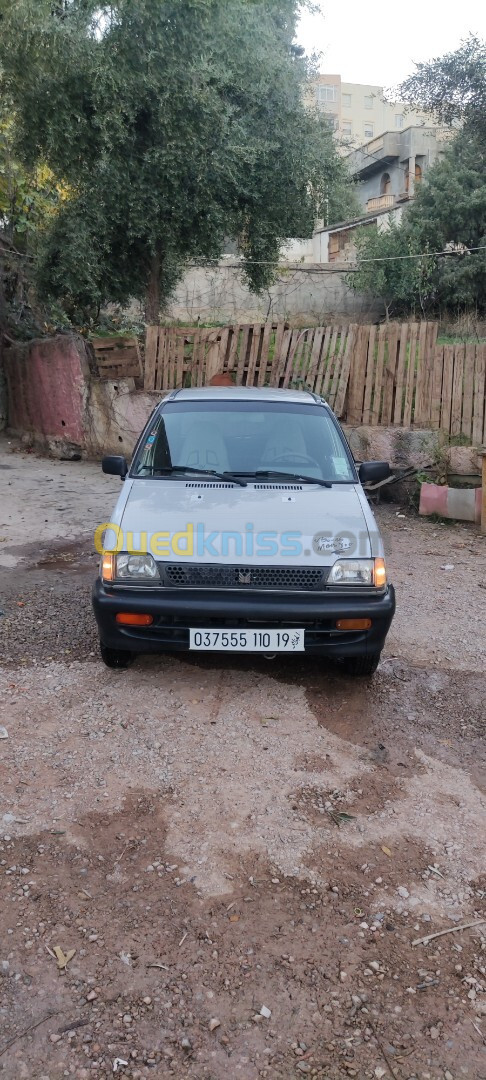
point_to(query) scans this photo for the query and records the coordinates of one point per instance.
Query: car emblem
(244, 577)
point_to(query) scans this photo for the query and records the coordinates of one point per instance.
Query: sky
(378, 43)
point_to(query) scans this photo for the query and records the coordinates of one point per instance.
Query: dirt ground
(239, 854)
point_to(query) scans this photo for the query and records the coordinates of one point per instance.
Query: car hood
(324, 522)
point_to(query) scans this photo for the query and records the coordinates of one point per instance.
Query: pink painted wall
(46, 386)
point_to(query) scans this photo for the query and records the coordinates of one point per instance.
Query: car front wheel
(115, 658)
(361, 665)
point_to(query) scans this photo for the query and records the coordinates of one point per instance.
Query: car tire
(361, 665)
(116, 658)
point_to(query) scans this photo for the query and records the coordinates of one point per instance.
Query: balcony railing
(382, 202)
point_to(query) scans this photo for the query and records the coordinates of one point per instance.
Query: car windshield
(244, 439)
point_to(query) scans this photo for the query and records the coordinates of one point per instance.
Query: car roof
(244, 393)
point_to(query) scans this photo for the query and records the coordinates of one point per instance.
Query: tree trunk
(152, 306)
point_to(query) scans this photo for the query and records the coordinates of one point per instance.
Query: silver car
(243, 526)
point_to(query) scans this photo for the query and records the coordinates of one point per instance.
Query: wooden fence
(117, 357)
(395, 373)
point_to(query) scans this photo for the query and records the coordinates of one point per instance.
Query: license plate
(247, 640)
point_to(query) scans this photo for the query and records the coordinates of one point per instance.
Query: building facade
(388, 169)
(359, 112)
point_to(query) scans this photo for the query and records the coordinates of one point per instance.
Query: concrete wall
(116, 414)
(308, 296)
(46, 387)
(57, 403)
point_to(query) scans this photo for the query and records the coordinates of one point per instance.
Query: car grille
(208, 576)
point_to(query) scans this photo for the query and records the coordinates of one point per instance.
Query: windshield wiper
(268, 473)
(201, 472)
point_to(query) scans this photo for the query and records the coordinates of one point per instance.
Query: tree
(175, 124)
(29, 199)
(452, 87)
(448, 216)
(387, 268)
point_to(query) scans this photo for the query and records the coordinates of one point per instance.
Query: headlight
(126, 567)
(358, 572)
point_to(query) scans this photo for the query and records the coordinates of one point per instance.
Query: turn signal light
(108, 567)
(380, 573)
(126, 618)
(353, 624)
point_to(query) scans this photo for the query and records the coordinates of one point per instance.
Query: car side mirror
(115, 465)
(371, 472)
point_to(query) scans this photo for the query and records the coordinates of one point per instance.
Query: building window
(399, 120)
(333, 120)
(418, 177)
(385, 184)
(368, 102)
(346, 101)
(368, 130)
(347, 127)
(326, 93)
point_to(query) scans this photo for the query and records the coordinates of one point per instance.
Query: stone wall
(307, 296)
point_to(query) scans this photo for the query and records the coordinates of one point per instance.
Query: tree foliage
(452, 87)
(387, 268)
(447, 215)
(175, 124)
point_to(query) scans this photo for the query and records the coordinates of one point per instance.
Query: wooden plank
(420, 412)
(410, 376)
(428, 373)
(345, 365)
(306, 354)
(314, 357)
(204, 345)
(389, 374)
(160, 364)
(357, 373)
(369, 375)
(224, 341)
(151, 346)
(253, 357)
(282, 361)
(467, 402)
(264, 353)
(457, 381)
(322, 362)
(446, 393)
(243, 350)
(375, 412)
(289, 366)
(335, 368)
(117, 357)
(213, 361)
(400, 374)
(196, 348)
(436, 394)
(279, 334)
(106, 344)
(479, 417)
(328, 374)
(179, 362)
(233, 348)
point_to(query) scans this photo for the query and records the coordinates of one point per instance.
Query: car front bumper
(174, 611)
